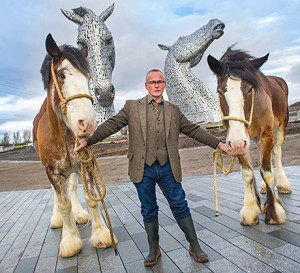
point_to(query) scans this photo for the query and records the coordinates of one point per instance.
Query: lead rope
(87, 160)
(218, 154)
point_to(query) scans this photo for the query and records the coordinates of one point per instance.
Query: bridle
(65, 101)
(247, 122)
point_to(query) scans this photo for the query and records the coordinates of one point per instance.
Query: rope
(87, 160)
(218, 154)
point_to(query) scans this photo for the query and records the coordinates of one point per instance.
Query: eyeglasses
(156, 82)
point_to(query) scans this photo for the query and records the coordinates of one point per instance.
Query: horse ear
(52, 48)
(105, 14)
(257, 63)
(163, 47)
(72, 16)
(214, 65)
(84, 51)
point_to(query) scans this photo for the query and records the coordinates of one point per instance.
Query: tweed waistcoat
(156, 146)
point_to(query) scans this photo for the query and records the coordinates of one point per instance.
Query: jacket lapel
(142, 106)
(167, 113)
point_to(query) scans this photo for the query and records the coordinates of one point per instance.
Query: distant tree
(27, 136)
(5, 140)
(17, 137)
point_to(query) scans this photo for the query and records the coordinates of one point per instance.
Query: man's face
(155, 84)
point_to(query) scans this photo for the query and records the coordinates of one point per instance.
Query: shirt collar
(149, 99)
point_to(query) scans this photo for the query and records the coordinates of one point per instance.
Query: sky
(137, 26)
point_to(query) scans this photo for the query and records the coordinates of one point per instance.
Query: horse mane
(73, 55)
(235, 62)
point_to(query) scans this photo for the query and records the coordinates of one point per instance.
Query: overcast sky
(138, 26)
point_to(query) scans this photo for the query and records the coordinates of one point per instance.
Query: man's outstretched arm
(195, 131)
(106, 129)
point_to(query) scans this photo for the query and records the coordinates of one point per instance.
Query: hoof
(81, 216)
(56, 222)
(263, 191)
(101, 246)
(70, 246)
(272, 222)
(245, 223)
(83, 219)
(283, 190)
(101, 239)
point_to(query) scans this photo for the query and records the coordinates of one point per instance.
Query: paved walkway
(27, 244)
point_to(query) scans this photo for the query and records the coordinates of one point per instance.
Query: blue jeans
(172, 190)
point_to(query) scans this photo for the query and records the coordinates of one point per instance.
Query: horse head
(95, 37)
(238, 79)
(65, 72)
(190, 49)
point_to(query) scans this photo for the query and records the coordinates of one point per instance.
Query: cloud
(263, 22)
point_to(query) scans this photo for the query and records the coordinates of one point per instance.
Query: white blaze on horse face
(80, 112)
(237, 137)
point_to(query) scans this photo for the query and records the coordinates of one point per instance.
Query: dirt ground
(20, 169)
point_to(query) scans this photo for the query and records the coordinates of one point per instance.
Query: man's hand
(224, 148)
(82, 144)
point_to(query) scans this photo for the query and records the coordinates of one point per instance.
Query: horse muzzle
(105, 94)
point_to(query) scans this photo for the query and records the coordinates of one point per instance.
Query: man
(154, 126)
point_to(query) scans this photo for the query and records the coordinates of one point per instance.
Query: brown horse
(54, 140)
(239, 79)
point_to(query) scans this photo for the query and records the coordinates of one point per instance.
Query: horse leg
(273, 209)
(56, 219)
(79, 214)
(100, 237)
(281, 180)
(71, 242)
(251, 208)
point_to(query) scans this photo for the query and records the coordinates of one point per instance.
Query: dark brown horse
(54, 140)
(239, 79)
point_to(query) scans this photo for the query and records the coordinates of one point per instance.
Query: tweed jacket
(134, 115)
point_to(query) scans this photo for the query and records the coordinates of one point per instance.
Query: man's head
(155, 83)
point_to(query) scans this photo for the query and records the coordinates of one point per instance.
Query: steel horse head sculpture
(183, 87)
(95, 37)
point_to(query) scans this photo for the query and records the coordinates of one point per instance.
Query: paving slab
(28, 244)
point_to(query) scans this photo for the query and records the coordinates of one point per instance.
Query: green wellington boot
(153, 239)
(187, 226)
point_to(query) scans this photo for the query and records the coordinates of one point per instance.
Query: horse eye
(250, 90)
(61, 75)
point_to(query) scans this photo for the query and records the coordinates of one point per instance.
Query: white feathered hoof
(101, 238)
(70, 246)
(81, 217)
(56, 221)
(279, 212)
(250, 214)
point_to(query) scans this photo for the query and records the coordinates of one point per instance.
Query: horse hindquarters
(100, 237)
(71, 242)
(273, 209)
